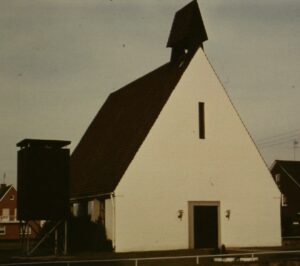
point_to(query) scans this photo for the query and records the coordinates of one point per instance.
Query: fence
(233, 257)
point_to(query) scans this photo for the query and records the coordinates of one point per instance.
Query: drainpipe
(112, 197)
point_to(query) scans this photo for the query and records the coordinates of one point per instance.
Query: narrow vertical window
(201, 121)
(2, 230)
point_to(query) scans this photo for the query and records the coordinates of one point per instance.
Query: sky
(60, 59)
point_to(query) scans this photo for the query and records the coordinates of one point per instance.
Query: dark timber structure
(43, 183)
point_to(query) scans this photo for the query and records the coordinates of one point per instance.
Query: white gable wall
(174, 166)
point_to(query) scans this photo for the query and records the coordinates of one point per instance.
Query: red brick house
(9, 225)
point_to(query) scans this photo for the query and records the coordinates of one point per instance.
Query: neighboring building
(286, 174)
(168, 164)
(9, 225)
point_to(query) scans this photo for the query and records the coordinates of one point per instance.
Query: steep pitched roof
(122, 124)
(120, 127)
(4, 189)
(291, 168)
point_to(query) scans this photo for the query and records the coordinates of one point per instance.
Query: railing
(233, 257)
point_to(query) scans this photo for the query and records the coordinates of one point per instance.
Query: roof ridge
(290, 175)
(4, 192)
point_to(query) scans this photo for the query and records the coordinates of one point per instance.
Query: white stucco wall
(174, 166)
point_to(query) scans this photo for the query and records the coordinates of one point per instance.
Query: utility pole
(4, 177)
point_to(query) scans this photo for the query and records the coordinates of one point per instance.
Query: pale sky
(59, 60)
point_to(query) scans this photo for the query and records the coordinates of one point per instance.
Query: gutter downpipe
(112, 197)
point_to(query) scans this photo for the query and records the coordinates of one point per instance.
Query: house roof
(291, 168)
(122, 124)
(4, 189)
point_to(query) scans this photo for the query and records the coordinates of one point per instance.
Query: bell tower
(188, 32)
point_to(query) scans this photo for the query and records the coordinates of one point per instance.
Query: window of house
(5, 214)
(75, 208)
(284, 201)
(102, 212)
(12, 197)
(28, 230)
(201, 120)
(2, 230)
(90, 207)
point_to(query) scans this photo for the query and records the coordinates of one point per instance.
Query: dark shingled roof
(3, 189)
(118, 130)
(292, 167)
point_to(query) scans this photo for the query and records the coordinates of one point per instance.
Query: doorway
(204, 224)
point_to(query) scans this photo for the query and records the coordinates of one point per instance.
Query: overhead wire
(279, 139)
(282, 139)
(275, 144)
(295, 131)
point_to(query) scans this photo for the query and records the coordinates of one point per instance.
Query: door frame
(191, 205)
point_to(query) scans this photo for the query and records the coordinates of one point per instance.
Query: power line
(288, 133)
(279, 139)
(275, 144)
